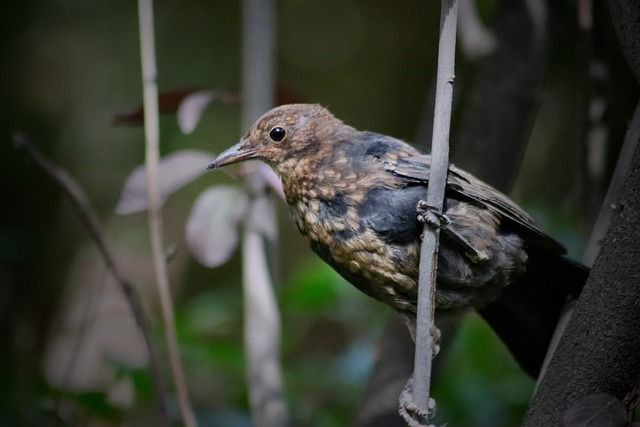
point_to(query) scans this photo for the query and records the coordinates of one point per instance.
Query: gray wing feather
(416, 169)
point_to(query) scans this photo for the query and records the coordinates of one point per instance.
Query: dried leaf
(596, 410)
(171, 102)
(175, 171)
(212, 227)
(191, 108)
(168, 103)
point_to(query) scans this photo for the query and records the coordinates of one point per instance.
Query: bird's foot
(412, 414)
(429, 215)
(409, 411)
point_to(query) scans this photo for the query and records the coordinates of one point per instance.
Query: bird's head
(288, 132)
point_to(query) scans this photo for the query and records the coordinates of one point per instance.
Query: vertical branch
(261, 335)
(152, 135)
(258, 58)
(262, 320)
(435, 199)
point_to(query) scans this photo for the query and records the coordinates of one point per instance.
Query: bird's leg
(410, 413)
(430, 215)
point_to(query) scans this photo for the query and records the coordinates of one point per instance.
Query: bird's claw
(428, 214)
(410, 413)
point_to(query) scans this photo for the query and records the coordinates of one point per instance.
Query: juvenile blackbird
(354, 197)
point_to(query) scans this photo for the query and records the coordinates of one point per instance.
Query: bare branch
(89, 218)
(262, 321)
(152, 135)
(262, 335)
(425, 327)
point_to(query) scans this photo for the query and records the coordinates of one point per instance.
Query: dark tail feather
(526, 313)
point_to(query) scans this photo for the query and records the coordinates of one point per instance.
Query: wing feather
(416, 170)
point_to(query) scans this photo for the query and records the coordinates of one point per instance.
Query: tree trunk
(599, 350)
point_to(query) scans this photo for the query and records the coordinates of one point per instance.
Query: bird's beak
(238, 153)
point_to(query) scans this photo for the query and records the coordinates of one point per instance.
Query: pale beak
(238, 153)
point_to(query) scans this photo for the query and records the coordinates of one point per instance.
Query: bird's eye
(277, 134)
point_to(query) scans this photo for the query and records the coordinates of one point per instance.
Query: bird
(357, 197)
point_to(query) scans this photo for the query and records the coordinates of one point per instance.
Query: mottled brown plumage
(353, 196)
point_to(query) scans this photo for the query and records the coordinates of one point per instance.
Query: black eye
(277, 134)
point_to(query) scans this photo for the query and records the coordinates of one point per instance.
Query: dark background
(67, 67)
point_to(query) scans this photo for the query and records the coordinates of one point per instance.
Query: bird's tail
(526, 313)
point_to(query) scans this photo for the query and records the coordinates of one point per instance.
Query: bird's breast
(338, 232)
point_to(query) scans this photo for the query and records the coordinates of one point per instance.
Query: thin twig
(425, 326)
(152, 136)
(89, 218)
(262, 335)
(262, 319)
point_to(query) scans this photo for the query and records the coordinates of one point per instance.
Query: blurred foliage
(329, 331)
(480, 384)
(70, 66)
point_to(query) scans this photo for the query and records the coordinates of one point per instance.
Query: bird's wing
(416, 169)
